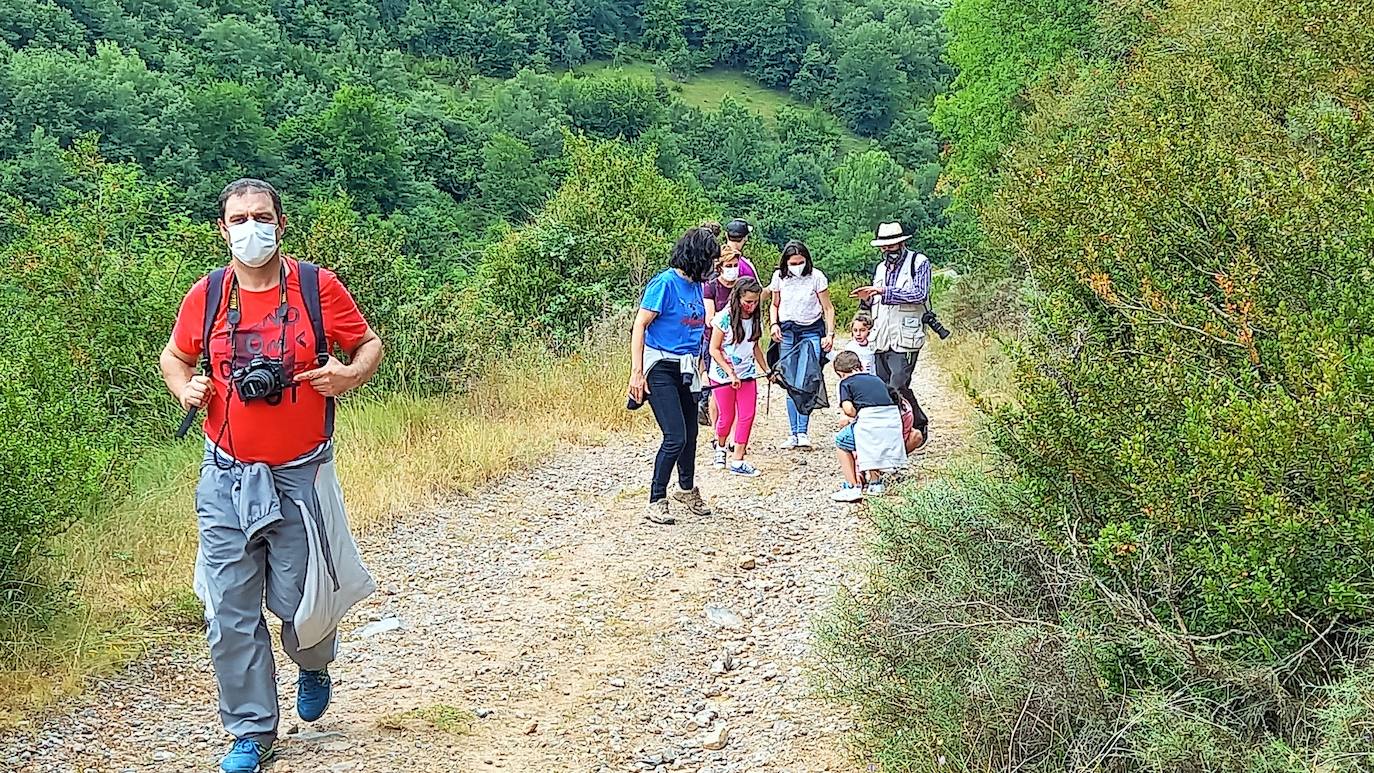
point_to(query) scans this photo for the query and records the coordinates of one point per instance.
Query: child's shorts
(844, 439)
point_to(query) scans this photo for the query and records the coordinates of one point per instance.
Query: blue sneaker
(313, 689)
(245, 756)
(744, 468)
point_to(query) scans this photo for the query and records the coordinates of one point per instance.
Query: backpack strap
(310, 293)
(214, 295)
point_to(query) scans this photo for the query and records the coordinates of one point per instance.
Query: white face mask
(729, 273)
(253, 243)
(795, 270)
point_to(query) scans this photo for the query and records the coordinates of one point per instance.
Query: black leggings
(675, 410)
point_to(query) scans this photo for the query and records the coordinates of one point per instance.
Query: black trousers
(675, 410)
(896, 370)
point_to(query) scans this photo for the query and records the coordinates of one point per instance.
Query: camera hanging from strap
(233, 315)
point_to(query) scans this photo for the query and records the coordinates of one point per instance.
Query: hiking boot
(803, 440)
(849, 494)
(657, 512)
(789, 443)
(745, 469)
(692, 501)
(313, 690)
(245, 756)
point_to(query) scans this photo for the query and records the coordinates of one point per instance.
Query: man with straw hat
(898, 299)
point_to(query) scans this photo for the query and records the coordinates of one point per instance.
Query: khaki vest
(899, 328)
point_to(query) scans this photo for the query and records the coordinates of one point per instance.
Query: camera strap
(233, 315)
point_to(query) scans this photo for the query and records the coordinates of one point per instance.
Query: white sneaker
(803, 440)
(719, 463)
(848, 493)
(744, 468)
(876, 489)
(790, 442)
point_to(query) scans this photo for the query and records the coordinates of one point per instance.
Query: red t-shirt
(256, 431)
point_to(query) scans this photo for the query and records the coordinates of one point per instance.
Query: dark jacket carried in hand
(802, 374)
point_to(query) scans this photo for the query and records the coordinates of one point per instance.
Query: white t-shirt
(865, 352)
(741, 353)
(798, 293)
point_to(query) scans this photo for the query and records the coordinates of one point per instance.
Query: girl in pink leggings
(735, 356)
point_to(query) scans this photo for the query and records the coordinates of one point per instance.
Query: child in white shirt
(858, 343)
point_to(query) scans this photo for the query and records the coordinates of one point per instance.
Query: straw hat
(889, 234)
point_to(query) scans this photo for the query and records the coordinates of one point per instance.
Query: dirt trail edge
(543, 625)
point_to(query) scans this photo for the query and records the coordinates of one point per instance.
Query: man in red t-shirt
(268, 489)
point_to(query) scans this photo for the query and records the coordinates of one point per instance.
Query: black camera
(263, 378)
(933, 322)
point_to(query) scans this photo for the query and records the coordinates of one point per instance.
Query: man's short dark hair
(249, 185)
(848, 362)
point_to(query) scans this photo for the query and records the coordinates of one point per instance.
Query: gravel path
(543, 625)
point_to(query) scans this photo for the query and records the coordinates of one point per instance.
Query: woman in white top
(802, 316)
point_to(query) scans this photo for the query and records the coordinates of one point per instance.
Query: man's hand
(864, 293)
(332, 378)
(196, 392)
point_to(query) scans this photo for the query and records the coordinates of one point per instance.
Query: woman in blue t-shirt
(663, 351)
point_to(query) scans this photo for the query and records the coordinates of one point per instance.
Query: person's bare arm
(335, 378)
(718, 354)
(775, 330)
(179, 374)
(638, 384)
(828, 342)
(849, 410)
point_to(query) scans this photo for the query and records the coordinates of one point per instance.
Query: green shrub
(1199, 387)
(1174, 575)
(962, 650)
(609, 228)
(89, 292)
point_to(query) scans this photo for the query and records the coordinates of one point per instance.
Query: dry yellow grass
(130, 569)
(978, 364)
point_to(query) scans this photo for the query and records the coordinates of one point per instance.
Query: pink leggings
(737, 407)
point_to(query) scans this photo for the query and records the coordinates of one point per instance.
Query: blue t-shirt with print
(681, 313)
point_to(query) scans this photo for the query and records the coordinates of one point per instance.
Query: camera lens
(262, 378)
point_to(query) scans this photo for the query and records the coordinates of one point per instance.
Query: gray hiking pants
(249, 553)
